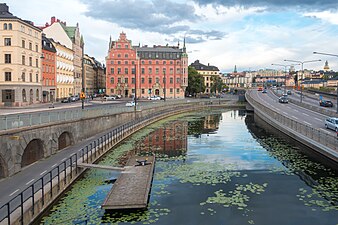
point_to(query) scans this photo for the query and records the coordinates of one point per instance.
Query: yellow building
(90, 75)
(208, 72)
(20, 62)
(64, 71)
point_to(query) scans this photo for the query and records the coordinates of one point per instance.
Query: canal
(213, 167)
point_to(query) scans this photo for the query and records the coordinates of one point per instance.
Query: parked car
(283, 99)
(65, 100)
(289, 92)
(332, 123)
(109, 97)
(325, 103)
(130, 104)
(264, 91)
(154, 97)
(260, 89)
(72, 98)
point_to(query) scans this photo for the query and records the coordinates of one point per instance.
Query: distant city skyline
(251, 36)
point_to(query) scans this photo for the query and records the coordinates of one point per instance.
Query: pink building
(160, 70)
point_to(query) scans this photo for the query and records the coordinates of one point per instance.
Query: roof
(47, 44)
(4, 12)
(199, 66)
(158, 52)
(313, 81)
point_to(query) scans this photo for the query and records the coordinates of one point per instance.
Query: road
(293, 111)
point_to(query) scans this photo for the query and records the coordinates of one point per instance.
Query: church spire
(110, 42)
(235, 70)
(184, 49)
(326, 67)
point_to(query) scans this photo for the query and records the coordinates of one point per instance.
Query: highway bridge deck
(131, 189)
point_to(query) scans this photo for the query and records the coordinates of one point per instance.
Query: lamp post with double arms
(135, 95)
(321, 53)
(276, 64)
(302, 63)
(164, 84)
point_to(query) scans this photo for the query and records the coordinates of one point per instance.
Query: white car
(332, 123)
(130, 104)
(109, 97)
(154, 97)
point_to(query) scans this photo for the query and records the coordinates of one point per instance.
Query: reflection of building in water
(241, 112)
(171, 140)
(211, 123)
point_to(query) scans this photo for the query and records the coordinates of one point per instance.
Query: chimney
(52, 20)
(3, 8)
(208, 64)
(46, 25)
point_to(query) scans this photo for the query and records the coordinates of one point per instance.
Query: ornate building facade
(208, 72)
(48, 70)
(20, 60)
(148, 71)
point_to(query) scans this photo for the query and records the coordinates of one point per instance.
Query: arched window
(5, 26)
(9, 26)
(37, 94)
(24, 98)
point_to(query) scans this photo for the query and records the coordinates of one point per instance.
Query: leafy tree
(195, 82)
(217, 84)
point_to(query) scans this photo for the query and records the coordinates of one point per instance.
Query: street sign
(82, 96)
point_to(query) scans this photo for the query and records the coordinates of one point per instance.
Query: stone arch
(32, 153)
(64, 140)
(3, 168)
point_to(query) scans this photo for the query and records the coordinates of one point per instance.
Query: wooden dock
(131, 190)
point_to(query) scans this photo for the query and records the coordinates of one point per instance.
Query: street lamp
(135, 95)
(302, 62)
(164, 83)
(276, 64)
(320, 53)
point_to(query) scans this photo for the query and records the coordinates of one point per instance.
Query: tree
(217, 84)
(195, 82)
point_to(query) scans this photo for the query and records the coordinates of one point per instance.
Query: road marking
(14, 192)
(326, 131)
(296, 110)
(305, 114)
(43, 172)
(54, 165)
(307, 123)
(285, 113)
(318, 119)
(30, 181)
(295, 117)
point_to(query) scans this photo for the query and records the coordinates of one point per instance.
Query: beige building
(70, 37)
(208, 72)
(20, 62)
(64, 71)
(89, 75)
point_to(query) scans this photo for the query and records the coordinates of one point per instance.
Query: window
(142, 62)
(126, 80)
(126, 55)
(8, 58)
(150, 70)
(142, 90)
(126, 46)
(132, 62)
(171, 80)
(149, 62)
(112, 70)
(177, 90)
(5, 26)
(119, 80)
(142, 80)
(8, 76)
(112, 62)
(164, 62)
(133, 70)
(133, 80)
(30, 61)
(37, 95)
(36, 78)
(112, 80)
(157, 80)
(178, 70)
(164, 71)
(142, 71)
(30, 77)
(118, 70)
(30, 46)
(157, 62)
(157, 70)
(171, 62)
(119, 56)
(118, 46)
(37, 63)
(23, 76)
(150, 80)
(7, 42)
(8, 95)
(171, 90)
(24, 99)
(126, 62)
(10, 26)
(171, 71)
(119, 62)
(36, 48)
(23, 44)
(177, 80)
(126, 70)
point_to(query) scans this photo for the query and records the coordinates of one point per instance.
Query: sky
(251, 34)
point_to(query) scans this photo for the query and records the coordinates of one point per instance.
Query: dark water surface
(213, 168)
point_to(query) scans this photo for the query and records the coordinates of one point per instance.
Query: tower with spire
(326, 66)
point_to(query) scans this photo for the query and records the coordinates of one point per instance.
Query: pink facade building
(157, 70)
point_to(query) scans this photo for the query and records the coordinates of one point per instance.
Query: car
(325, 103)
(332, 123)
(72, 98)
(289, 92)
(260, 89)
(154, 97)
(65, 100)
(264, 91)
(130, 104)
(283, 99)
(109, 97)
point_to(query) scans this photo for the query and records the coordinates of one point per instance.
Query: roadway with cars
(292, 111)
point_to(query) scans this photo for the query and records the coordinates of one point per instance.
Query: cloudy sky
(251, 34)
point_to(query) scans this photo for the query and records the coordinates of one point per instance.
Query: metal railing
(324, 138)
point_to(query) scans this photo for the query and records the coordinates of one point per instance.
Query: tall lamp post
(135, 95)
(83, 79)
(164, 83)
(320, 53)
(302, 62)
(276, 64)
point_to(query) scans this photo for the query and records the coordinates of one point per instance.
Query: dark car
(326, 103)
(283, 99)
(264, 91)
